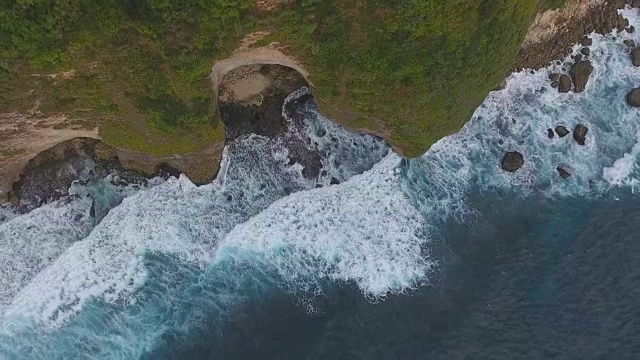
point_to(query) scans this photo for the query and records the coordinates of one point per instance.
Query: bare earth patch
(247, 87)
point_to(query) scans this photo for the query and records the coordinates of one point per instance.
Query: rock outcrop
(550, 133)
(48, 176)
(635, 56)
(564, 84)
(580, 73)
(580, 134)
(512, 161)
(564, 173)
(633, 97)
(562, 131)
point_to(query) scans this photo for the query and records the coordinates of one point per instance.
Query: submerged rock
(580, 134)
(562, 131)
(512, 161)
(633, 97)
(635, 56)
(564, 84)
(580, 73)
(564, 173)
(550, 133)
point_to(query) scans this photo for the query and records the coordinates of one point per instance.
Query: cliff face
(411, 72)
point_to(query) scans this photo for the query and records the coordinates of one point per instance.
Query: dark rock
(585, 51)
(564, 173)
(334, 181)
(631, 29)
(586, 41)
(166, 171)
(564, 84)
(554, 76)
(512, 161)
(562, 131)
(555, 84)
(92, 211)
(580, 73)
(48, 176)
(630, 43)
(550, 133)
(635, 56)
(633, 97)
(580, 134)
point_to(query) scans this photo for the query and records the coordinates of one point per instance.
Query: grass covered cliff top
(412, 71)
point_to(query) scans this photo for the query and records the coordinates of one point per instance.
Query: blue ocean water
(443, 256)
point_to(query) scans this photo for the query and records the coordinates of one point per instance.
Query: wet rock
(585, 51)
(630, 43)
(554, 77)
(631, 29)
(564, 173)
(550, 133)
(580, 73)
(564, 84)
(633, 97)
(635, 56)
(562, 131)
(580, 134)
(621, 23)
(586, 41)
(48, 176)
(555, 84)
(512, 161)
(334, 181)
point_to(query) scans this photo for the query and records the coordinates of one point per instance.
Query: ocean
(445, 256)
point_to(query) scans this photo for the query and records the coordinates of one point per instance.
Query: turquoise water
(443, 256)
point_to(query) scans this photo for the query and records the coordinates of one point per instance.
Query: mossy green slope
(411, 70)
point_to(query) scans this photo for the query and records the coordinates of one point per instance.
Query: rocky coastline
(250, 97)
(554, 32)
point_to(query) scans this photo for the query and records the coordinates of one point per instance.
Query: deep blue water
(535, 280)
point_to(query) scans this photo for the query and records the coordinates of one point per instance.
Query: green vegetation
(414, 70)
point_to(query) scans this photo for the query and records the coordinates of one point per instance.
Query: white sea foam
(175, 218)
(33, 241)
(620, 173)
(364, 230)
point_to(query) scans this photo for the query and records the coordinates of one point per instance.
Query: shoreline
(550, 37)
(554, 32)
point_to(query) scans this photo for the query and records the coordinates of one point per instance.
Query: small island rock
(562, 131)
(564, 84)
(564, 173)
(633, 98)
(512, 161)
(580, 73)
(635, 56)
(550, 133)
(580, 134)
